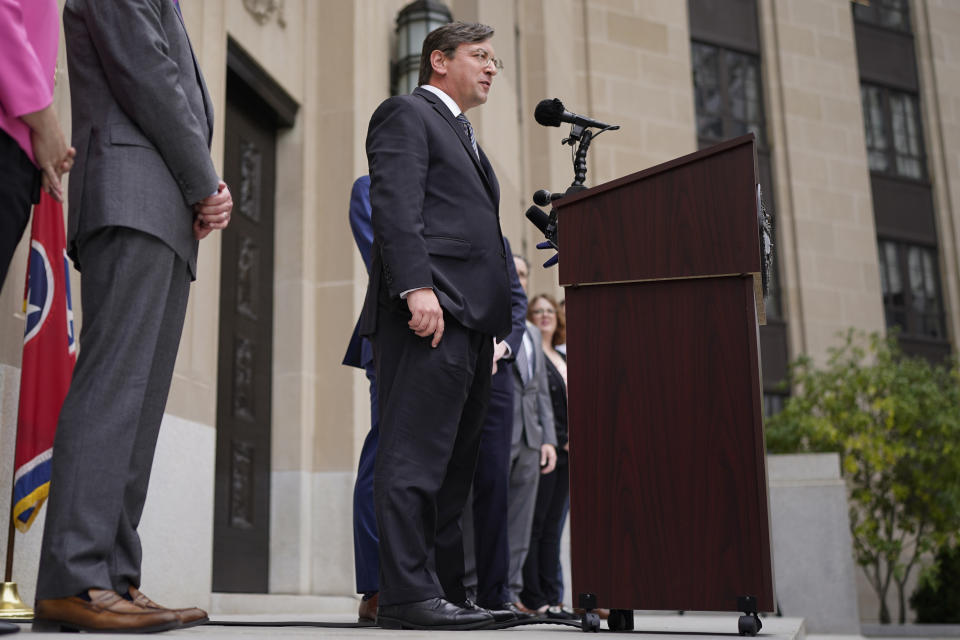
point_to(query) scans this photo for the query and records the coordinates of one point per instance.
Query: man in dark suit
(438, 295)
(533, 449)
(144, 191)
(487, 558)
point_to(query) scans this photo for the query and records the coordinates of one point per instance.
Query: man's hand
(426, 314)
(50, 149)
(213, 212)
(499, 350)
(548, 458)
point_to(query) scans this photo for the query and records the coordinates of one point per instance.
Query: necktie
(468, 129)
(528, 352)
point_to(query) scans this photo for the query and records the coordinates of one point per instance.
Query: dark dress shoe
(368, 609)
(499, 615)
(189, 617)
(8, 627)
(106, 611)
(521, 614)
(558, 612)
(435, 613)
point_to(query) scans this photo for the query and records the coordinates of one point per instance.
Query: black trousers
(19, 190)
(432, 405)
(542, 566)
(490, 484)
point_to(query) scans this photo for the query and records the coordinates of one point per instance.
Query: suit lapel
(491, 177)
(445, 113)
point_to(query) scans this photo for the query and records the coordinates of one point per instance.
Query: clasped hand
(50, 150)
(213, 212)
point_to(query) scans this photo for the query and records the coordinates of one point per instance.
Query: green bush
(895, 421)
(937, 596)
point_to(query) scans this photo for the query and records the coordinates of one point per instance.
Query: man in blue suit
(360, 354)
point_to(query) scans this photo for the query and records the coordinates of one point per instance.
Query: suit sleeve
(359, 353)
(23, 85)
(145, 80)
(545, 404)
(360, 222)
(397, 153)
(518, 303)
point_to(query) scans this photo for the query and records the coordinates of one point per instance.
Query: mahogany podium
(668, 486)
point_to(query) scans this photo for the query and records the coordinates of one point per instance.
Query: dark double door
(245, 351)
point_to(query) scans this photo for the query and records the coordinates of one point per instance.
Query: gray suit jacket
(142, 122)
(532, 409)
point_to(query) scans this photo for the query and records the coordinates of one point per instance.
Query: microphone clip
(576, 133)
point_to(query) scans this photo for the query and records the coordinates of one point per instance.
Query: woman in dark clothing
(541, 591)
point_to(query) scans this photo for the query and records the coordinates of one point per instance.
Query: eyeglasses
(484, 58)
(543, 312)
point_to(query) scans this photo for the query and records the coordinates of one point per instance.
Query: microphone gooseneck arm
(550, 113)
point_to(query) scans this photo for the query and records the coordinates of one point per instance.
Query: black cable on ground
(370, 625)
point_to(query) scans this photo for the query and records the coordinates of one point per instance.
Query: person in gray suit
(533, 449)
(144, 191)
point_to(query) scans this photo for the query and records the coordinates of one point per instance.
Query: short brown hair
(560, 335)
(446, 39)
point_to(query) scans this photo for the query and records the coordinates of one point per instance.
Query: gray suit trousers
(134, 294)
(522, 492)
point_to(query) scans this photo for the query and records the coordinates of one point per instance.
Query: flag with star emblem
(49, 353)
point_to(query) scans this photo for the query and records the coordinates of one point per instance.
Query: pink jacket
(29, 36)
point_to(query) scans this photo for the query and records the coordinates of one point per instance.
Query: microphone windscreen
(539, 219)
(542, 197)
(548, 112)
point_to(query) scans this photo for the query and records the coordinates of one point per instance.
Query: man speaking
(438, 295)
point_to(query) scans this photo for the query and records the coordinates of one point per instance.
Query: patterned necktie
(468, 129)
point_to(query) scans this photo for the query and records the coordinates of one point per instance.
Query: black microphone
(550, 113)
(544, 198)
(539, 219)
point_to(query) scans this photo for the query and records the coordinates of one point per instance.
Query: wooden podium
(668, 487)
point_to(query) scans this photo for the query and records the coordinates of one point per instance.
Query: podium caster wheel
(620, 620)
(749, 625)
(590, 623)
(614, 621)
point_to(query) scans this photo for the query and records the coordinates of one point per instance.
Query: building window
(894, 137)
(911, 289)
(727, 91)
(892, 14)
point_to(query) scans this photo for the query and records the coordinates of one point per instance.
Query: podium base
(11, 606)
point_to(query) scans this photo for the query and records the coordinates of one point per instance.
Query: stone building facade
(294, 83)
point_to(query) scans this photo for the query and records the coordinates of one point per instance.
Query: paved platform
(652, 627)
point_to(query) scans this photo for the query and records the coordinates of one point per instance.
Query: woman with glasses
(542, 578)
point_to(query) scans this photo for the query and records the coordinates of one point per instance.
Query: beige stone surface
(620, 61)
(822, 186)
(936, 24)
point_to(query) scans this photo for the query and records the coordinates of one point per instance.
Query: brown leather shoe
(189, 617)
(603, 614)
(106, 611)
(368, 609)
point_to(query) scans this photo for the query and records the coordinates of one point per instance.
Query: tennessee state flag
(49, 353)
